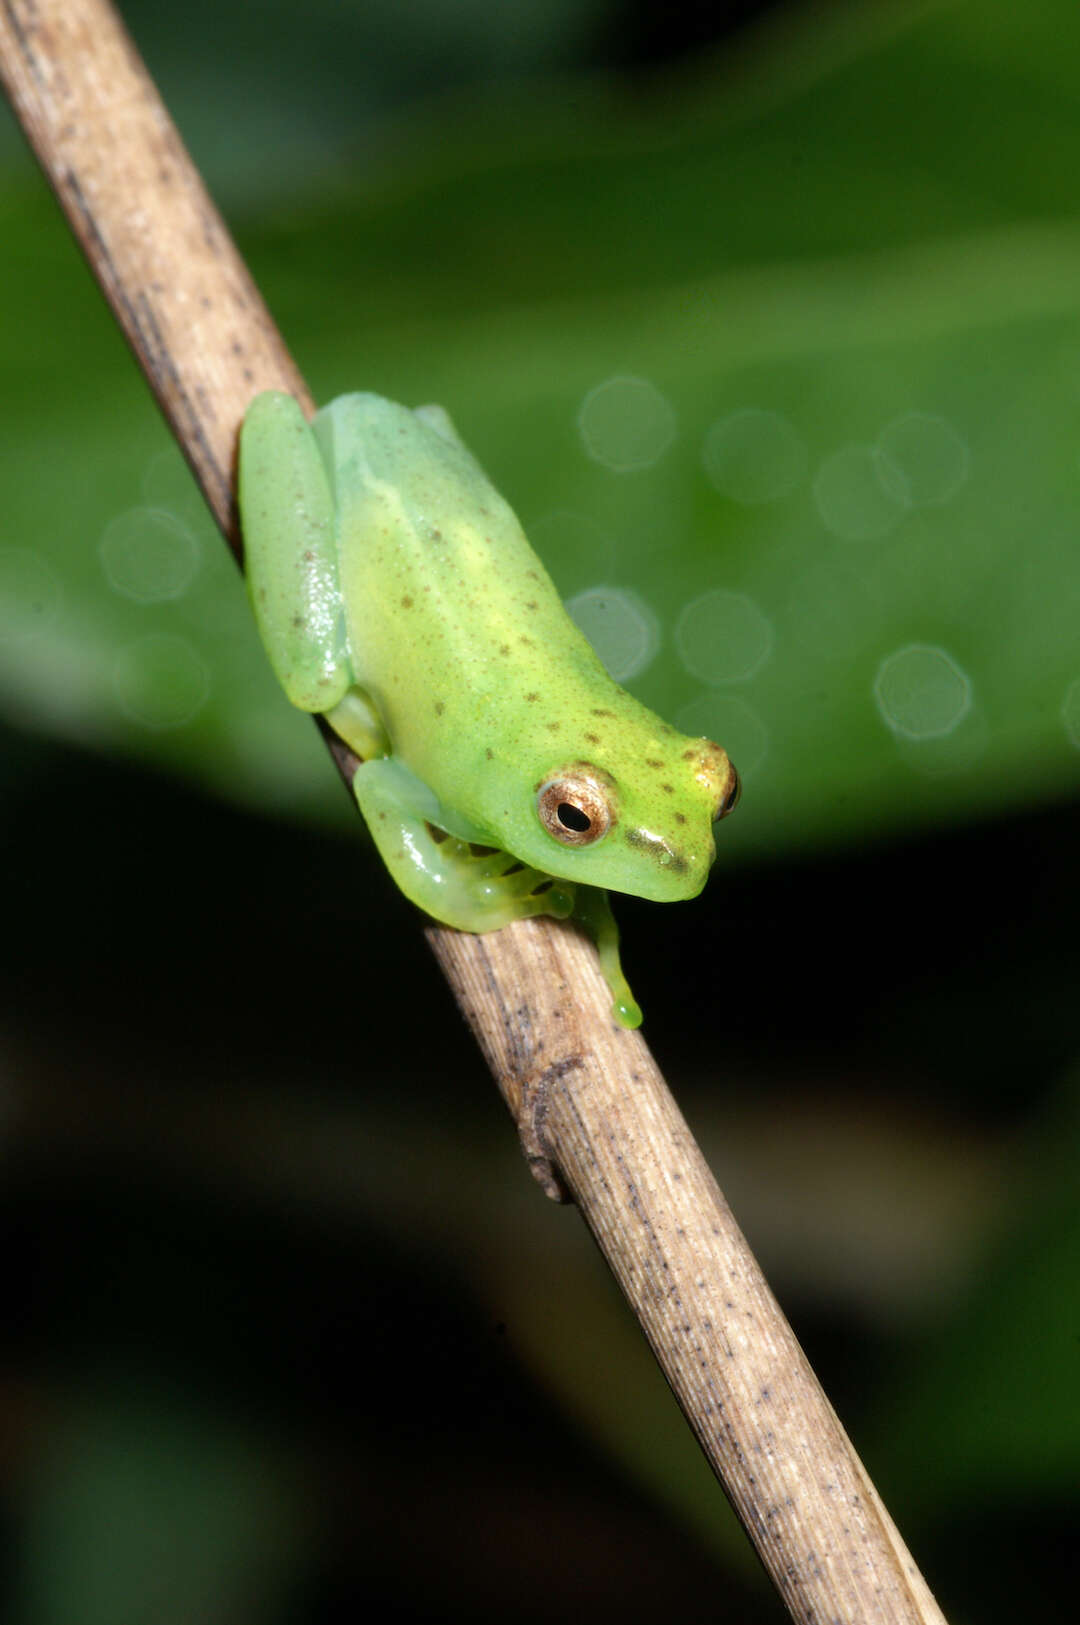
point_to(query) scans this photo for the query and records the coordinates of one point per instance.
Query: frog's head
(642, 824)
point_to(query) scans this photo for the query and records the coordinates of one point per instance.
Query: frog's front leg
(592, 909)
(471, 888)
(476, 888)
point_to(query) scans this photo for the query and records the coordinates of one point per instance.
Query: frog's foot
(474, 888)
(492, 887)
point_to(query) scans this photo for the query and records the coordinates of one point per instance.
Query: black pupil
(573, 818)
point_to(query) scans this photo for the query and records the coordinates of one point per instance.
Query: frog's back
(453, 620)
(411, 496)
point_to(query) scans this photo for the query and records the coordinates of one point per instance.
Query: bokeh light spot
(723, 637)
(626, 424)
(161, 681)
(924, 460)
(29, 594)
(621, 628)
(921, 691)
(753, 456)
(951, 754)
(855, 497)
(148, 555)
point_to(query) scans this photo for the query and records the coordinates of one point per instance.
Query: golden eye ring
(575, 809)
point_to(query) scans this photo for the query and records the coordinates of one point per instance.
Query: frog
(501, 771)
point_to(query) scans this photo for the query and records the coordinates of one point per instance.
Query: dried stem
(595, 1116)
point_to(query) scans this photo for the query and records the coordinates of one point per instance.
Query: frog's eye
(731, 800)
(575, 809)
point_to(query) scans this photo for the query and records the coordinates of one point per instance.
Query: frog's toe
(552, 897)
(523, 892)
(488, 863)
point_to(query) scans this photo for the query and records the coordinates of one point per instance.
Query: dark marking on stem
(535, 1096)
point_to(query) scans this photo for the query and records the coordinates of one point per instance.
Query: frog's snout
(680, 871)
(730, 800)
(714, 772)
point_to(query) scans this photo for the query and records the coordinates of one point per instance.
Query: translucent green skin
(396, 593)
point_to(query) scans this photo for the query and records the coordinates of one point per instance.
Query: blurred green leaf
(834, 278)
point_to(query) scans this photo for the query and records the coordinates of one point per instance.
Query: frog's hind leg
(291, 554)
(469, 887)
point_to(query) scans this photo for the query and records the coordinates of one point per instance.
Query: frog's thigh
(290, 553)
